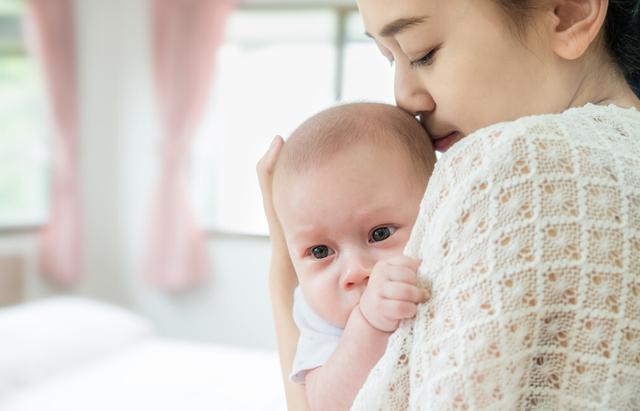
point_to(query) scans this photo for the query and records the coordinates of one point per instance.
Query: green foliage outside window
(22, 146)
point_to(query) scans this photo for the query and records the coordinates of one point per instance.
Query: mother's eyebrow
(399, 25)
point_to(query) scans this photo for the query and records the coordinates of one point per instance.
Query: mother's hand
(265, 168)
(279, 255)
(282, 280)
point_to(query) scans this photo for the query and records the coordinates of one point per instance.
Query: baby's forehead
(362, 161)
(357, 153)
(375, 124)
(370, 128)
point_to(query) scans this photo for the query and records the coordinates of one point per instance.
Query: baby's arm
(334, 385)
(391, 295)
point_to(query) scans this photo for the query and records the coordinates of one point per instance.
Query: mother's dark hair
(621, 33)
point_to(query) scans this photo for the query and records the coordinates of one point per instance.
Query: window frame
(341, 11)
(13, 44)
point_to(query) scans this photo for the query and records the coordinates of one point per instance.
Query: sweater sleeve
(526, 239)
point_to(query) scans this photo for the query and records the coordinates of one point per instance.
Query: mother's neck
(602, 84)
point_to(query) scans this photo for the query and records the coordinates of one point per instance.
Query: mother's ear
(575, 24)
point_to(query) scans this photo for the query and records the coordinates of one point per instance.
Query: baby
(347, 188)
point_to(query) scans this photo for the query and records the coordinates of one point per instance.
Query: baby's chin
(334, 312)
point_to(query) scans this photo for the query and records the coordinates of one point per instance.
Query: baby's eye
(381, 234)
(320, 251)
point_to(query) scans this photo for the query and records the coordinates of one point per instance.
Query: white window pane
(280, 26)
(355, 30)
(269, 79)
(367, 75)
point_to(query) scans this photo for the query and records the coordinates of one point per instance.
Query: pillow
(40, 339)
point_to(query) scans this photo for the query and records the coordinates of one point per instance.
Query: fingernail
(426, 294)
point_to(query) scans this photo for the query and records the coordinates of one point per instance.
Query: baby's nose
(355, 275)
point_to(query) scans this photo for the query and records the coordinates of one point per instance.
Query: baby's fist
(392, 293)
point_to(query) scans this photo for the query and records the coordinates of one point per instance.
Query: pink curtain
(50, 25)
(186, 35)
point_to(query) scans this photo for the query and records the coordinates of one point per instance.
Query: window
(23, 153)
(277, 67)
(367, 74)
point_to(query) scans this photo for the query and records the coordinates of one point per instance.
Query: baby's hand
(392, 293)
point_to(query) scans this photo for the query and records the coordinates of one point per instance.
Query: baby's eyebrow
(303, 231)
(397, 26)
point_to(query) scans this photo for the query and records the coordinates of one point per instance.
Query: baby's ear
(575, 24)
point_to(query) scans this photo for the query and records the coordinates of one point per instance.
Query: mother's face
(461, 66)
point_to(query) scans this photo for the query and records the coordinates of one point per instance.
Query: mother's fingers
(267, 163)
(265, 168)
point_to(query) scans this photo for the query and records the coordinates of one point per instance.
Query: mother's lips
(441, 136)
(443, 142)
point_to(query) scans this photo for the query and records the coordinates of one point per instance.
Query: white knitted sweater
(529, 235)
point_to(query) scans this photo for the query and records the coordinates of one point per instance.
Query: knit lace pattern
(529, 236)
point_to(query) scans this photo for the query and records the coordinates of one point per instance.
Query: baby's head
(347, 189)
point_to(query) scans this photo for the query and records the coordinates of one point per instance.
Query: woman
(532, 219)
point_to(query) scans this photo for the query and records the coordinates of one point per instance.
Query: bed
(76, 354)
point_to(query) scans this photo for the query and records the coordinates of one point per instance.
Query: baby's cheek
(327, 302)
(395, 246)
(319, 298)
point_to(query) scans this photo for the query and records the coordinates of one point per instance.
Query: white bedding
(142, 372)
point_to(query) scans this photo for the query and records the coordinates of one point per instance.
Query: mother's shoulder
(564, 144)
(597, 143)
(608, 128)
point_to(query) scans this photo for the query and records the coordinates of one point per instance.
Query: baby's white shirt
(318, 339)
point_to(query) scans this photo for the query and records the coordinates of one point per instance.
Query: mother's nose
(411, 90)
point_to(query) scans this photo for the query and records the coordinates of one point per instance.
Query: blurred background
(129, 135)
(133, 247)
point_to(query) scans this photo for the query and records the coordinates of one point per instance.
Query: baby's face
(343, 217)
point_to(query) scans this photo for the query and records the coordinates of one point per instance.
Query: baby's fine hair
(340, 127)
